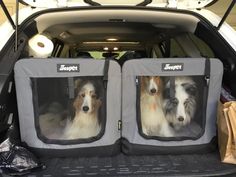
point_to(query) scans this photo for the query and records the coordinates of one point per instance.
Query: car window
(170, 48)
(98, 54)
(176, 49)
(204, 49)
(173, 48)
(156, 52)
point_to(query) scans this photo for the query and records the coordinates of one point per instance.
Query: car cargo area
(192, 165)
(118, 35)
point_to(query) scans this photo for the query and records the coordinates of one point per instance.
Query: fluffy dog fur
(53, 121)
(86, 104)
(180, 110)
(153, 120)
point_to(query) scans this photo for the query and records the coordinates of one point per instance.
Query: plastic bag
(16, 160)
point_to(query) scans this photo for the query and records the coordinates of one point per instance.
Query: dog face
(86, 100)
(180, 109)
(151, 84)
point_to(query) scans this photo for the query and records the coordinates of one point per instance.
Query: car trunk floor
(121, 165)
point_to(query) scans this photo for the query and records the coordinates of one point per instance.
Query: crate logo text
(172, 67)
(68, 68)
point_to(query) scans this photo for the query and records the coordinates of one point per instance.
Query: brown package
(227, 132)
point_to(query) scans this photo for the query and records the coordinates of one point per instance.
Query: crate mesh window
(69, 108)
(171, 107)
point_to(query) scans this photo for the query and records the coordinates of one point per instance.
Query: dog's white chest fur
(152, 117)
(83, 126)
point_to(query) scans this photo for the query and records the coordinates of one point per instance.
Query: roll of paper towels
(40, 46)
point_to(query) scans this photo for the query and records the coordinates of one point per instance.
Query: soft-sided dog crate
(54, 97)
(187, 87)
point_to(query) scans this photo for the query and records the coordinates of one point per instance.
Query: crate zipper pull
(136, 81)
(10, 87)
(119, 125)
(207, 78)
(10, 119)
(207, 71)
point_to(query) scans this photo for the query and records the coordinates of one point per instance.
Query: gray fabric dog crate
(170, 105)
(69, 106)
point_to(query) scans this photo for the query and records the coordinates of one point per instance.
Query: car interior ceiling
(83, 32)
(135, 35)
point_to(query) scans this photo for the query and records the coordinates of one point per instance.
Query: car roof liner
(183, 4)
(93, 3)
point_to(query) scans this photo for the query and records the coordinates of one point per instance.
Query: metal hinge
(136, 81)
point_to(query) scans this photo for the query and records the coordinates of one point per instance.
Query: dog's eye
(94, 96)
(192, 90)
(175, 101)
(186, 102)
(82, 95)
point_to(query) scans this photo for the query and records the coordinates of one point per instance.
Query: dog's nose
(153, 90)
(181, 119)
(85, 108)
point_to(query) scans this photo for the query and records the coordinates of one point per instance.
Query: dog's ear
(99, 102)
(142, 79)
(77, 104)
(166, 93)
(99, 88)
(166, 81)
(142, 82)
(77, 83)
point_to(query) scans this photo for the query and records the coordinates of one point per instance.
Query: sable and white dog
(153, 120)
(86, 123)
(180, 109)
